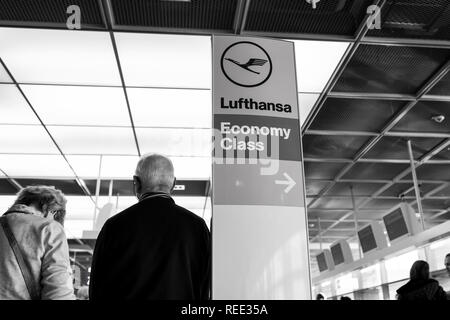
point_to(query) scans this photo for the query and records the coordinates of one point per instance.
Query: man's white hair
(155, 172)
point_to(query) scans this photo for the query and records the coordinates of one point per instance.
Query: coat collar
(149, 195)
(21, 208)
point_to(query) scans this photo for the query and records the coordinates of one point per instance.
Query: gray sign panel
(243, 184)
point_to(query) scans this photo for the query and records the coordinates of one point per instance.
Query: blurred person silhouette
(420, 286)
(34, 253)
(345, 298)
(320, 297)
(155, 249)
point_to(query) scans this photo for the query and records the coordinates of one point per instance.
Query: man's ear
(174, 184)
(137, 186)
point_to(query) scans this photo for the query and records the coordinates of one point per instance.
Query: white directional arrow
(289, 182)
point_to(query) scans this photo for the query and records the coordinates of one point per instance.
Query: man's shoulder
(189, 215)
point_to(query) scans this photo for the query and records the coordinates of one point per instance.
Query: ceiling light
(438, 119)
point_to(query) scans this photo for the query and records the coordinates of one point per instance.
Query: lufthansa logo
(246, 64)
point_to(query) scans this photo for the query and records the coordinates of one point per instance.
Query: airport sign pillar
(259, 223)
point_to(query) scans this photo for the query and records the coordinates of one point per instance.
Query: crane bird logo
(250, 63)
(246, 64)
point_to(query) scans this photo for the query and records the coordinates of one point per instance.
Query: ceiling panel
(335, 203)
(322, 170)
(397, 148)
(94, 140)
(199, 14)
(444, 192)
(325, 214)
(118, 166)
(414, 19)
(431, 172)
(26, 139)
(436, 204)
(419, 118)
(175, 142)
(314, 187)
(59, 56)
(14, 108)
(374, 214)
(339, 147)
(4, 77)
(390, 69)
(39, 166)
(359, 189)
(382, 203)
(306, 102)
(157, 107)
(165, 60)
(378, 171)
(72, 105)
(287, 16)
(49, 12)
(85, 166)
(399, 189)
(355, 114)
(316, 62)
(350, 225)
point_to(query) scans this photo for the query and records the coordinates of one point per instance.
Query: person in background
(154, 249)
(320, 297)
(34, 253)
(420, 286)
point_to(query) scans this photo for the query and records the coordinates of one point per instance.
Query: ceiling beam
(109, 17)
(371, 96)
(412, 134)
(240, 17)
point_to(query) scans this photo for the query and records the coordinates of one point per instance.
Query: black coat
(421, 290)
(152, 250)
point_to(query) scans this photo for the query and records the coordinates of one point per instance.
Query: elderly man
(154, 249)
(34, 254)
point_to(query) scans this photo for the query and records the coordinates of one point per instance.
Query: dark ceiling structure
(391, 86)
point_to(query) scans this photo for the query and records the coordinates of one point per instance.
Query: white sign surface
(259, 224)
